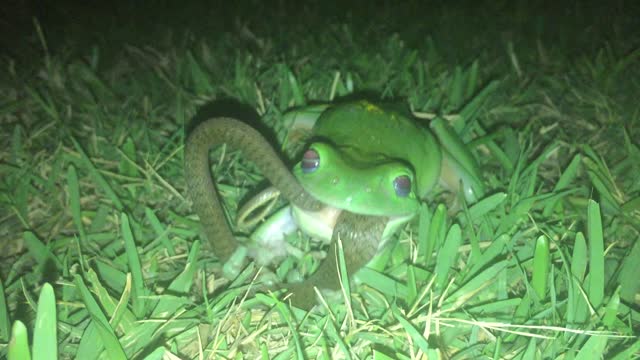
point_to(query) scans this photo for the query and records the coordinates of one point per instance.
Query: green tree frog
(362, 176)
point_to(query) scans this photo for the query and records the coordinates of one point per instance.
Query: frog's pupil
(310, 161)
(402, 185)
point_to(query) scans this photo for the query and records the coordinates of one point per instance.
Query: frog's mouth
(321, 223)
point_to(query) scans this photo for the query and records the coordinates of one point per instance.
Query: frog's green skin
(358, 150)
(363, 147)
(367, 134)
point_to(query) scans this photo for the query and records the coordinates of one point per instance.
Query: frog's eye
(402, 185)
(310, 161)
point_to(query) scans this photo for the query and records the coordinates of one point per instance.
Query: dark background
(73, 25)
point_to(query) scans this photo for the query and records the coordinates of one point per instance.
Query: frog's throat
(320, 224)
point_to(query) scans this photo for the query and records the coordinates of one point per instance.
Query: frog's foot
(257, 209)
(268, 242)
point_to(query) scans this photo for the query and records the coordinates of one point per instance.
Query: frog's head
(336, 176)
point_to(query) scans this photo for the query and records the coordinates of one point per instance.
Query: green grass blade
(100, 219)
(99, 320)
(46, 103)
(600, 177)
(456, 89)
(120, 314)
(496, 151)
(19, 344)
(579, 258)
(632, 150)
(160, 231)
(530, 352)
(199, 78)
(97, 177)
(382, 282)
(541, 266)
(435, 236)
(472, 107)
(288, 318)
(475, 284)
(628, 276)
(39, 251)
(631, 205)
(577, 311)
(412, 285)
(424, 224)
(17, 145)
(5, 324)
(629, 352)
(332, 333)
(74, 202)
(298, 95)
(447, 256)
(566, 179)
(126, 165)
(45, 338)
(596, 254)
(346, 284)
(486, 205)
(593, 348)
(144, 334)
(489, 255)
(138, 291)
(411, 330)
(379, 355)
(522, 313)
(472, 81)
(516, 175)
(183, 282)
(611, 311)
(159, 353)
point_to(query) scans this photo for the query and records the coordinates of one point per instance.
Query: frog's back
(373, 133)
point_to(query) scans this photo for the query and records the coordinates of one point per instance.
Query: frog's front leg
(459, 167)
(263, 203)
(266, 245)
(361, 237)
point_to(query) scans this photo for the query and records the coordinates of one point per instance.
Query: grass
(91, 187)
